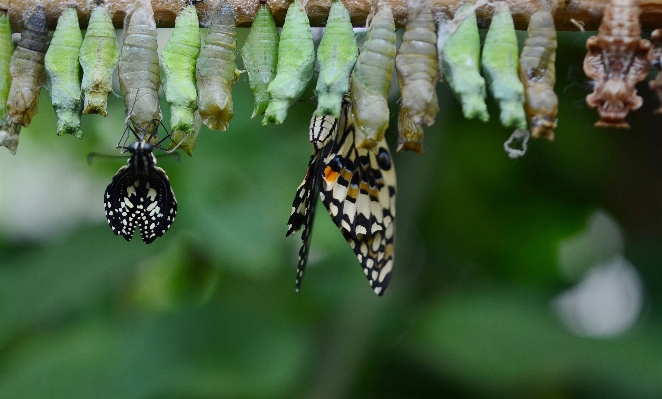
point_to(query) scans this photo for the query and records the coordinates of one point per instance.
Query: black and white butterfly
(357, 187)
(140, 194)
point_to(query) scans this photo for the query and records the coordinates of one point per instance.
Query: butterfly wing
(121, 212)
(358, 188)
(157, 205)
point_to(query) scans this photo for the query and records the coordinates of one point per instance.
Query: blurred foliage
(209, 309)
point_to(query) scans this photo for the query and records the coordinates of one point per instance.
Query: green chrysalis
(537, 72)
(27, 69)
(99, 56)
(336, 55)
(65, 74)
(139, 69)
(461, 63)
(8, 130)
(500, 63)
(260, 56)
(6, 50)
(416, 63)
(216, 69)
(371, 79)
(296, 60)
(410, 133)
(178, 71)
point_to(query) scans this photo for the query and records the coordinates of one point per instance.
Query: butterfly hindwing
(158, 205)
(120, 212)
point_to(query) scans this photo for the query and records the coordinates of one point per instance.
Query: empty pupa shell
(216, 69)
(178, 71)
(99, 56)
(461, 65)
(296, 60)
(537, 72)
(65, 74)
(336, 55)
(139, 69)
(27, 68)
(8, 129)
(500, 63)
(260, 56)
(410, 133)
(416, 63)
(371, 79)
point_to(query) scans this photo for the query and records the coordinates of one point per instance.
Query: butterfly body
(140, 195)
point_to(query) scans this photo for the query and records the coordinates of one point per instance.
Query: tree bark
(586, 12)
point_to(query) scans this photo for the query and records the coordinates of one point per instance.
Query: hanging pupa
(461, 64)
(8, 129)
(139, 69)
(99, 56)
(296, 60)
(178, 71)
(216, 68)
(537, 72)
(27, 68)
(260, 57)
(336, 55)
(416, 63)
(371, 79)
(500, 63)
(617, 59)
(65, 74)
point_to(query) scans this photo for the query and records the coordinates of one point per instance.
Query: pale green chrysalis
(65, 74)
(99, 56)
(336, 55)
(27, 68)
(8, 130)
(296, 60)
(538, 73)
(178, 72)
(461, 65)
(410, 133)
(139, 69)
(260, 56)
(216, 68)
(416, 63)
(370, 81)
(500, 63)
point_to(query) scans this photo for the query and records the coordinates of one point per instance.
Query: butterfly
(358, 189)
(140, 194)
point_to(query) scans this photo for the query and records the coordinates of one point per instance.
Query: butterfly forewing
(358, 189)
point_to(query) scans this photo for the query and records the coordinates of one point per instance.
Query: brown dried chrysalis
(656, 85)
(617, 59)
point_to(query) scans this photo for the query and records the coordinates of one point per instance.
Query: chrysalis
(178, 70)
(336, 55)
(410, 133)
(296, 59)
(27, 68)
(656, 85)
(500, 64)
(99, 56)
(65, 74)
(416, 63)
(139, 68)
(461, 63)
(8, 129)
(260, 56)
(371, 79)
(537, 72)
(618, 58)
(216, 68)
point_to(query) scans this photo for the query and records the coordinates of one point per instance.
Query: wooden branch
(587, 12)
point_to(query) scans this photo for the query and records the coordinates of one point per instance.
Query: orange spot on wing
(330, 175)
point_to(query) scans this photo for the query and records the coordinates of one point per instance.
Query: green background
(209, 309)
